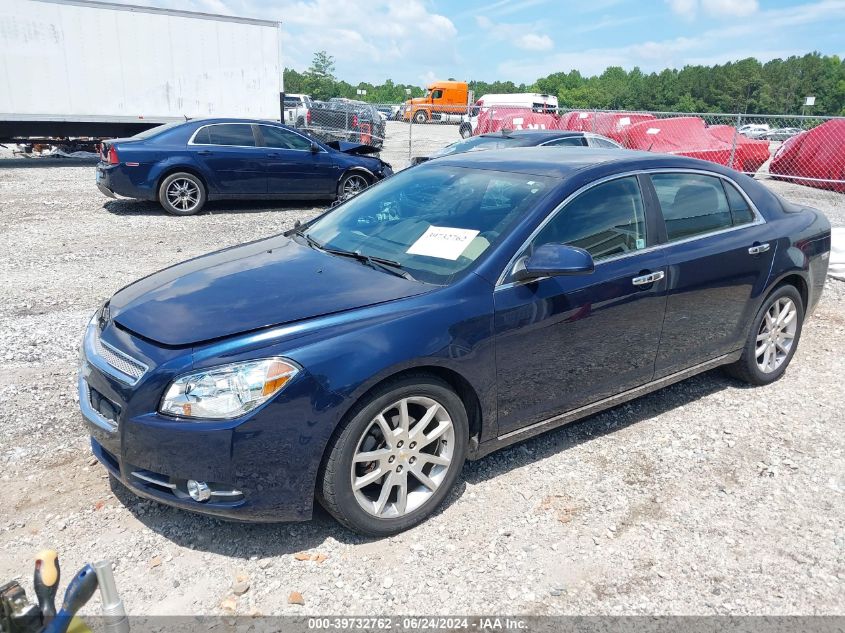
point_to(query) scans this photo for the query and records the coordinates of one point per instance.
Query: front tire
(182, 193)
(420, 117)
(396, 458)
(351, 185)
(772, 338)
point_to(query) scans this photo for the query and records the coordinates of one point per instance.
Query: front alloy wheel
(403, 457)
(396, 457)
(352, 185)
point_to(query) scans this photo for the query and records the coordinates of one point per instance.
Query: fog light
(198, 490)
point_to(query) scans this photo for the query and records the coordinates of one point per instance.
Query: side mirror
(553, 260)
(315, 149)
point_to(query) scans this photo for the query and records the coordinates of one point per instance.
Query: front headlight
(227, 391)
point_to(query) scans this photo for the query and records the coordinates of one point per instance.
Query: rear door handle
(644, 280)
(758, 248)
(205, 152)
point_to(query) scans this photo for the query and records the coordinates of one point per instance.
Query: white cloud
(524, 36)
(689, 9)
(534, 42)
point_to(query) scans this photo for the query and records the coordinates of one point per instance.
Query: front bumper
(268, 457)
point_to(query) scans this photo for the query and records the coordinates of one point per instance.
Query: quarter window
(280, 138)
(692, 204)
(236, 134)
(740, 211)
(606, 220)
(596, 141)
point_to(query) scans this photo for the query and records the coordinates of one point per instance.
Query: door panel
(228, 153)
(564, 342)
(713, 279)
(293, 168)
(712, 282)
(299, 172)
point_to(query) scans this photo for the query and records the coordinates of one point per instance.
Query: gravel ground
(706, 497)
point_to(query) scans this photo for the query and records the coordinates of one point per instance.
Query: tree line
(748, 86)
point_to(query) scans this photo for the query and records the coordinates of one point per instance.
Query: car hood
(353, 148)
(257, 285)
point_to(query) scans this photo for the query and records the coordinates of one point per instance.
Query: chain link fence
(786, 151)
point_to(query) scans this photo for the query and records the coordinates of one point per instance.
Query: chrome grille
(119, 361)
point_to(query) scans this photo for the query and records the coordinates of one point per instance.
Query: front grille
(119, 361)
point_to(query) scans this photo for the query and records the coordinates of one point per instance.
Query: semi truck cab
(443, 100)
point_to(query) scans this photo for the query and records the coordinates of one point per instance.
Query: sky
(417, 41)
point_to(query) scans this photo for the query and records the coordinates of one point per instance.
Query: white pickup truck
(296, 109)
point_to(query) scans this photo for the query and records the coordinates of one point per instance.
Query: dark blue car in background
(183, 165)
(448, 311)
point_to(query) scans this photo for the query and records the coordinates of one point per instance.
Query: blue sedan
(451, 310)
(183, 165)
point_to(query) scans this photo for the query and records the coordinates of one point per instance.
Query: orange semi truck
(443, 100)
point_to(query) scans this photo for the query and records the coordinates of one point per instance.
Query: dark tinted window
(740, 210)
(202, 137)
(569, 141)
(692, 204)
(283, 139)
(602, 142)
(606, 220)
(230, 134)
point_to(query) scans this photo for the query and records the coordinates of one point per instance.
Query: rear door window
(232, 134)
(692, 204)
(597, 141)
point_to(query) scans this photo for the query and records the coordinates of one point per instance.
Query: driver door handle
(644, 280)
(758, 248)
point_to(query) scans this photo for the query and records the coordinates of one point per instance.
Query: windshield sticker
(442, 242)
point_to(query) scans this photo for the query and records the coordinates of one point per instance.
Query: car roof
(535, 135)
(562, 162)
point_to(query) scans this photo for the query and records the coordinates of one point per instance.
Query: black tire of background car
(746, 368)
(334, 483)
(162, 197)
(465, 130)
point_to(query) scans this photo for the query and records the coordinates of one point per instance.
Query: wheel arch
(791, 278)
(356, 169)
(462, 387)
(173, 169)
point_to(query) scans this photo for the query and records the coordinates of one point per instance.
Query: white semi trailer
(80, 68)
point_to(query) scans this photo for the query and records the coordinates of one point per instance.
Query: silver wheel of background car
(776, 335)
(402, 457)
(353, 185)
(183, 194)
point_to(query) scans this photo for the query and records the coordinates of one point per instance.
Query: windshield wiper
(310, 240)
(382, 263)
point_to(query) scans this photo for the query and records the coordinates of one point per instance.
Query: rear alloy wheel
(397, 458)
(182, 194)
(773, 338)
(351, 185)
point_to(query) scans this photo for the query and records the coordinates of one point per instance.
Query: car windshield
(432, 221)
(154, 131)
(477, 143)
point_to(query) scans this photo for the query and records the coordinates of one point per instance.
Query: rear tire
(772, 338)
(351, 489)
(182, 193)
